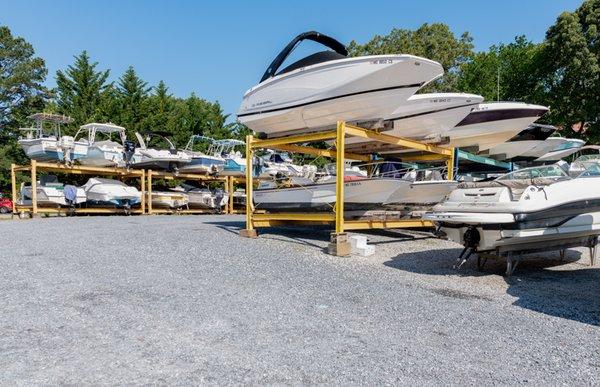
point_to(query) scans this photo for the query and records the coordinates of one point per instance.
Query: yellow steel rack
(290, 143)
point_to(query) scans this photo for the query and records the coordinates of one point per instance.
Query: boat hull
(352, 89)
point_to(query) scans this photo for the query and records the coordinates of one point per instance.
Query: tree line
(562, 72)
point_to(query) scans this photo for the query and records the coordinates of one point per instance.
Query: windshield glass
(548, 171)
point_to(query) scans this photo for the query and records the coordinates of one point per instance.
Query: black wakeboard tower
(339, 48)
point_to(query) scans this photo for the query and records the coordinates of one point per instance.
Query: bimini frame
(36, 167)
(290, 144)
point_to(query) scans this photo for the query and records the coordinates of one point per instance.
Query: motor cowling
(128, 150)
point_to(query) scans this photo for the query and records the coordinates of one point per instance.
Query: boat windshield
(547, 171)
(339, 51)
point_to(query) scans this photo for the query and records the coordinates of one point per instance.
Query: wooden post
(34, 209)
(450, 163)
(13, 182)
(149, 192)
(230, 193)
(143, 187)
(249, 231)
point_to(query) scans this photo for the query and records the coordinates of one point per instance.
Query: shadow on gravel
(570, 294)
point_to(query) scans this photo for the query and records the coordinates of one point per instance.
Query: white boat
(45, 142)
(235, 163)
(279, 164)
(493, 123)
(112, 193)
(51, 193)
(317, 91)
(525, 144)
(564, 149)
(201, 162)
(388, 185)
(102, 153)
(532, 209)
(168, 159)
(169, 199)
(429, 115)
(203, 198)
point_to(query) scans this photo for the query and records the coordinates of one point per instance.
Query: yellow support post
(149, 197)
(249, 231)
(13, 182)
(34, 208)
(143, 187)
(339, 181)
(450, 164)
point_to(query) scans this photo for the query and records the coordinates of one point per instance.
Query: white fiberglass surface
(547, 171)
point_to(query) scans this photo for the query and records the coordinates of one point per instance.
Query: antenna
(498, 84)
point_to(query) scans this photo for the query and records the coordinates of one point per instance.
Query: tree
(571, 60)
(81, 90)
(132, 93)
(21, 77)
(21, 94)
(433, 41)
(507, 72)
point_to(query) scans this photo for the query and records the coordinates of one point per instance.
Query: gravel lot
(184, 300)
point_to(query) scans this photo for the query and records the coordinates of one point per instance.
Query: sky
(219, 49)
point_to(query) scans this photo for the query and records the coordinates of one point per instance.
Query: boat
(168, 159)
(315, 92)
(526, 143)
(493, 123)
(44, 140)
(279, 164)
(235, 163)
(111, 193)
(388, 185)
(102, 153)
(52, 193)
(426, 116)
(532, 209)
(564, 149)
(169, 199)
(203, 198)
(201, 162)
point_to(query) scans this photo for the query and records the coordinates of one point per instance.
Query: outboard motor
(70, 192)
(218, 199)
(128, 151)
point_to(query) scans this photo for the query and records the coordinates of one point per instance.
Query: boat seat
(516, 186)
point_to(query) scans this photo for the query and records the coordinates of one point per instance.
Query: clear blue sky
(218, 49)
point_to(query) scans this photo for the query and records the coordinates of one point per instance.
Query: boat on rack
(169, 199)
(44, 140)
(528, 210)
(390, 184)
(203, 198)
(201, 162)
(280, 164)
(112, 193)
(52, 193)
(235, 163)
(526, 143)
(426, 116)
(493, 123)
(103, 152)
(168, 159)
(315, 92)
(562, 150)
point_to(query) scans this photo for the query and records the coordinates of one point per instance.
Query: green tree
(81, 90)
(21, 77)
(433, 41)
(507, 72)
(160, 106)
(571, 61)
(133, 92)
(21, 94)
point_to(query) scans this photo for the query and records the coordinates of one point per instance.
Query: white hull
(111, 192)
(422, 192)
(352, 89)
(564, 150)
(171, 200)
(50, 196)
(358, 194)
(49, 149)
(512, 149)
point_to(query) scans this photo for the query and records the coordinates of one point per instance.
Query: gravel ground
(184, 300)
